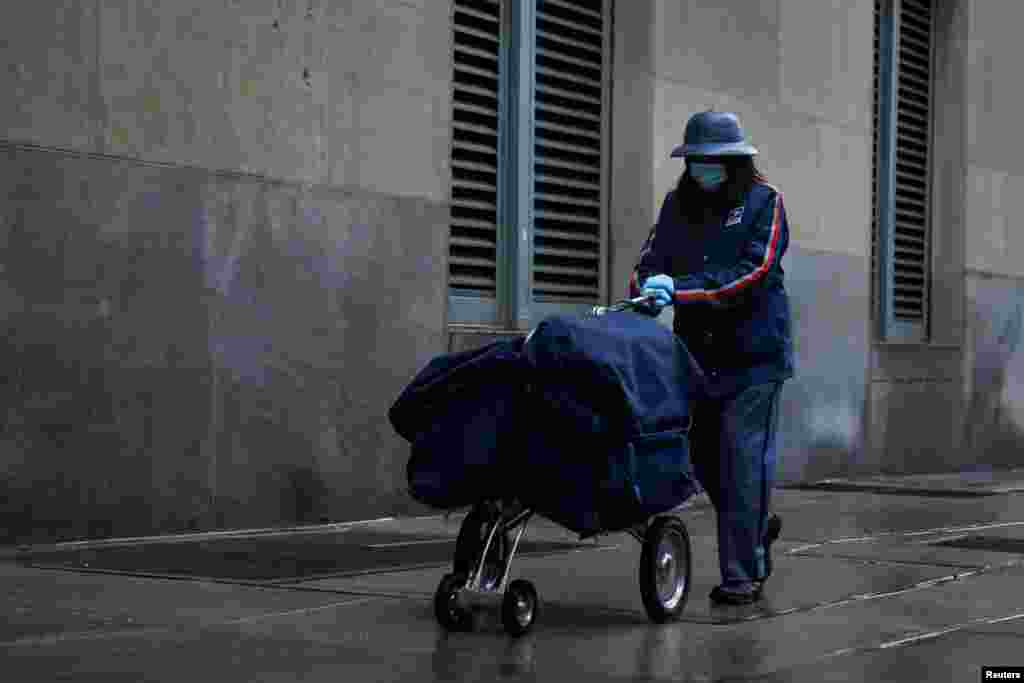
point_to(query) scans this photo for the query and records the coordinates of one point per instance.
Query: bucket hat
(714, 133)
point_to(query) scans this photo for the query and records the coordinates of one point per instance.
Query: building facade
(233, 230)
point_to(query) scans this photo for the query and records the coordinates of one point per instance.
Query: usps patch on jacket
(735, 217)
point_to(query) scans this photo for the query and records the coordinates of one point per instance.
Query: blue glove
(661, 287)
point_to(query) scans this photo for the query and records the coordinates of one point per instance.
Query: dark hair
(692, 202)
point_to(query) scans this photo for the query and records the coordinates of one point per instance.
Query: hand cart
(490, 535)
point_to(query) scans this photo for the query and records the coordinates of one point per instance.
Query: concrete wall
(993, 426)
(223, 243)
(803, 94)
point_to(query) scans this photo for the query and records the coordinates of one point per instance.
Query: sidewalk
(861, 591)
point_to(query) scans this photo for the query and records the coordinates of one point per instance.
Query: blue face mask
(709, 176)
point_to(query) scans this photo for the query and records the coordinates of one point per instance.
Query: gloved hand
(661, 287)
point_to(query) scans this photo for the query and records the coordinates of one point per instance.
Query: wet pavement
(868, 585)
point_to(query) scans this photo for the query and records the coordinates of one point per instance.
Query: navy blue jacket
(731, 306)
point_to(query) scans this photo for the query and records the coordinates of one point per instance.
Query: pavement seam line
(847, 486)
(863, 597)
(299, 610)
(905, 534)
(926, 635)
(294, 587)
(428, 565)
(886, 645)
(85, 636)
(265, 532)
(860, 559)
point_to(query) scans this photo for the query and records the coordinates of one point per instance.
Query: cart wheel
(470, 541)
(519, 607)
(665, 566)
(448, 613)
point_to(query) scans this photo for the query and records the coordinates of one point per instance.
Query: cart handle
(624, 305)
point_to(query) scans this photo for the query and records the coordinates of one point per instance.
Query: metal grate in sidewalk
(276, 558)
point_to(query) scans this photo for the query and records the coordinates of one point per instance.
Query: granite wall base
(183, 350)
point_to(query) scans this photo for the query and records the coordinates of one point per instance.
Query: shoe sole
(735, 599)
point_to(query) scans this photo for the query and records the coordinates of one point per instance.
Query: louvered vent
(874, 166)
(913, 138)
(568, 152)
(472, 250)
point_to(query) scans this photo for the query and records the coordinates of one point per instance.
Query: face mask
(709, 176)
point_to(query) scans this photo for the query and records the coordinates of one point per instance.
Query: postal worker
(715, 254)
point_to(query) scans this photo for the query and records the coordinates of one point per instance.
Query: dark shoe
(720, 596)
(771, 534)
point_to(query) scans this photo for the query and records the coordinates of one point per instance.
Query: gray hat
(714, 133)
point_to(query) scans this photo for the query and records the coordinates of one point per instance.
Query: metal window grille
(475, 158)
(569, 113)
(874, 166)
(903, 83)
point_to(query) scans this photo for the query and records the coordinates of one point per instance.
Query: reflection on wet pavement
(861, 586)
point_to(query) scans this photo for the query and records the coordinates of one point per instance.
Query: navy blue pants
(733, 454)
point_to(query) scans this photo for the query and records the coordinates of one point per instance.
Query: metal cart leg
(517, 599)
(520, 521)
(501, 526)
